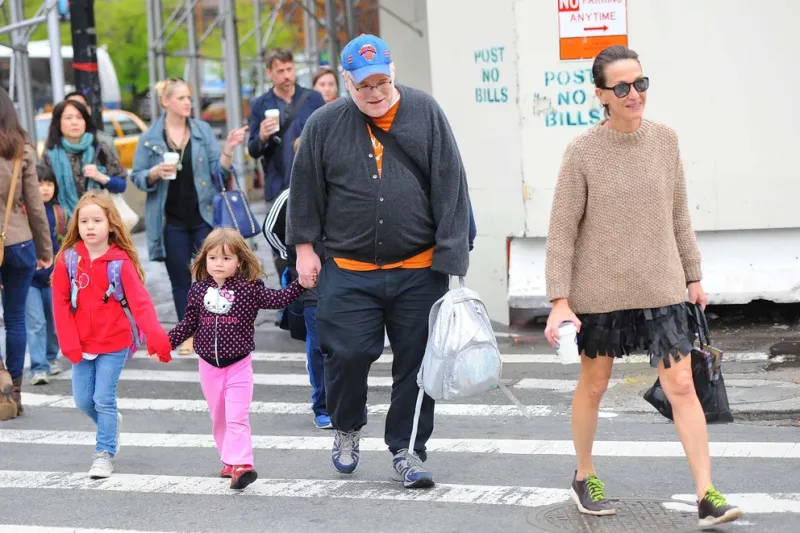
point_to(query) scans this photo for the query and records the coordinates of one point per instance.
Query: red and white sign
(585, 27)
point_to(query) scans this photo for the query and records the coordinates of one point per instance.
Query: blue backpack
(115, 289)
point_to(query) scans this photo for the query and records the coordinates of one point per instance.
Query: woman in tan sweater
(27, 247)
(621, 254)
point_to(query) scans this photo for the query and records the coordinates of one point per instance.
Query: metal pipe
(56, 59)
(161, 66)
(21, 25)
(310, 26)
(194, 62)
(401, 20)
(24, 92)
(333, 40)
(348, 18)
(260, 75)
(275, 12)
(183, 18)
(233, 82)
(151, 59)
(11, 46)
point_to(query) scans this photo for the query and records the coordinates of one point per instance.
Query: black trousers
(353, 309)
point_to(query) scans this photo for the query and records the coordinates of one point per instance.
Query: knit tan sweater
(620, 232)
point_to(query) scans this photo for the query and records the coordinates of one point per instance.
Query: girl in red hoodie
(95, 335)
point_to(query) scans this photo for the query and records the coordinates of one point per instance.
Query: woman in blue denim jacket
(180, 194)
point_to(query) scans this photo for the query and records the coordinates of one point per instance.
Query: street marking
(301, 380)
(757, 503)
(280, 408)
(287, 488)
(51, 529)
(754, 450)
(507, 358)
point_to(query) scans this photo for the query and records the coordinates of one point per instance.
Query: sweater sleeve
(306, 206)
(569, 203)
(265, 298)
(144, 312)
(28, 181)
(66, 328)
(191, 318)
(682, 223)
(449, 200)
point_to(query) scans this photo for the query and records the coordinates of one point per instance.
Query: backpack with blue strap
(115, 289)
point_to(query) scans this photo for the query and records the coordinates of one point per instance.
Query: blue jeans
(17, 270)
(94, 389)
(182, 244)
(315, 363)
(42, 340)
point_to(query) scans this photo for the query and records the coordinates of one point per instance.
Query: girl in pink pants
(220, 314)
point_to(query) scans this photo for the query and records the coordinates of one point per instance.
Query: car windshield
(42, 128)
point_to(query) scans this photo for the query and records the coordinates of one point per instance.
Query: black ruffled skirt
(663, 332)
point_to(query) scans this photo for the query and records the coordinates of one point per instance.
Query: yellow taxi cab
(123, 126)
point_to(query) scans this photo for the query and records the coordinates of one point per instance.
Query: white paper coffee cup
(274, 113)
(567, 344)
(171, 158)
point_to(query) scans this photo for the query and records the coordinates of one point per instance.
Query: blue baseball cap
(366, 55)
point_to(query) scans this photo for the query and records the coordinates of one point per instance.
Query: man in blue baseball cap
(392, 209)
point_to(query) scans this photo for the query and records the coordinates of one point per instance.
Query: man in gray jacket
(394, 229)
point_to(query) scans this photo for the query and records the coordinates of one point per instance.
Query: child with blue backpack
(102, 310)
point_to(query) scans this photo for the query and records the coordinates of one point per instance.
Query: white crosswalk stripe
(169, 451)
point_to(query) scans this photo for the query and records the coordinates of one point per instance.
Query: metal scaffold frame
(20, 31)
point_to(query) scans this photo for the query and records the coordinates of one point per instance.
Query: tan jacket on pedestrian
(23, 228)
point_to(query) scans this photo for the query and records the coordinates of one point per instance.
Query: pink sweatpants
(229, 392)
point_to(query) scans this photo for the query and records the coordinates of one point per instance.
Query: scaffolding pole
(22, 70)
(194, 61)
(56, 61)
(233, 82)
(333, 41)
(152, 54)
(260, 75)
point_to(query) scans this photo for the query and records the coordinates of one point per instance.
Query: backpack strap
(115, 289)
(71, 261)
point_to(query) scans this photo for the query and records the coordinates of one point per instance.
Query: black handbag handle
(700, 320)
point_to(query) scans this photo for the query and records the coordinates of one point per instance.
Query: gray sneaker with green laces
(588, 495)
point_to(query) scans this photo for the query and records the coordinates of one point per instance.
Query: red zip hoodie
(98, 327)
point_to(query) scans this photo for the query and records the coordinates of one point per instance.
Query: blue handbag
(231, 210)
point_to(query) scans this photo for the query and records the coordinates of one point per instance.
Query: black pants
(354, 307)
(182, 245)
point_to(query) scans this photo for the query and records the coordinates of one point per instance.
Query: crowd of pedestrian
(369, 218)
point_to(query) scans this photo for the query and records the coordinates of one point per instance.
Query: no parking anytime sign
(585, 27)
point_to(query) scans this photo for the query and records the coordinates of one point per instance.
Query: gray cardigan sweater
(338, 199)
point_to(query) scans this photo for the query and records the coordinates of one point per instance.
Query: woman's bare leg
(593, 382)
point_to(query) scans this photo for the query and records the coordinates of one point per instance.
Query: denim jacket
(208, 171)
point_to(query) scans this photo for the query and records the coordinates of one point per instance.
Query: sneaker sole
(40, 382)
(246, 479)
(329, 426)
(99, 476)
(584, 510)
(730, 516)
(344, 473)
(418, 484)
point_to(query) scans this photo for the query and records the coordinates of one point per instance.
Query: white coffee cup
(567, 344)
(171, 158)
(276, 114)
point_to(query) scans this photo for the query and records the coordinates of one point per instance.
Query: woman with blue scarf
(79, 161)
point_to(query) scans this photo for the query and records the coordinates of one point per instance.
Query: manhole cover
(632, 515)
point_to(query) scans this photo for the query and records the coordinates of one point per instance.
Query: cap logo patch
(368, 52)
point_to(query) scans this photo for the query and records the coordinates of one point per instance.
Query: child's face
(221, 264)
(47, 190)
(93, 225)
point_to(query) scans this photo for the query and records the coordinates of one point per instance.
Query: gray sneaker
(39, 378)
(102, 466)
(55, 367)
(588, 495)
(408, 469)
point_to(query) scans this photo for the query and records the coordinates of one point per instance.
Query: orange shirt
(423, 260)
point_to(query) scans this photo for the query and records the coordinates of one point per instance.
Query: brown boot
(17, 395)
(8, 407)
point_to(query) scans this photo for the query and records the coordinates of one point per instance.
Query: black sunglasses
(621, 90)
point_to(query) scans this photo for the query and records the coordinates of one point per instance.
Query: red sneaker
(243, 475)
(227, 471)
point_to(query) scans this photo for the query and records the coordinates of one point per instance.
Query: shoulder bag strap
(12, 188)
(388, 141)
(289, 119)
